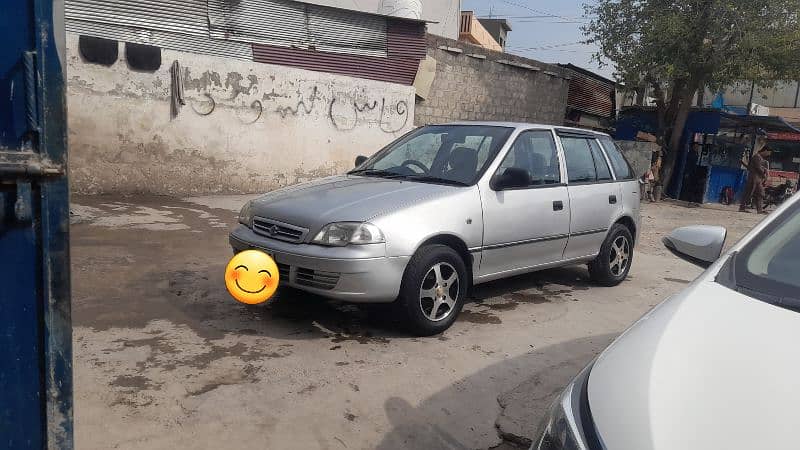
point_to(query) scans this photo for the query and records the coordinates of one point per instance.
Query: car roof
(525, 126)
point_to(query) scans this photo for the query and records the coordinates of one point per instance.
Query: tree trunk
(684, 107)
(639, 101)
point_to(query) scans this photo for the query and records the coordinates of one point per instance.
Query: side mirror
(699, 244)
(360, 160)
(511, 178)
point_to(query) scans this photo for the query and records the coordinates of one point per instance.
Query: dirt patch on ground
(164, 356)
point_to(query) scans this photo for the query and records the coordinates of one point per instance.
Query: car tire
(614, 261)
(433, 290)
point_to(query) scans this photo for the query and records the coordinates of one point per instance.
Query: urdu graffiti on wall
(252, 99)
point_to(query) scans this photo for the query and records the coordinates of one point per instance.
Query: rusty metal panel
(294, 24)
(393, 70)
(177, 16)
(406, 39)
(590, 95)
(406, 47)
(171, 41)
(36, 337)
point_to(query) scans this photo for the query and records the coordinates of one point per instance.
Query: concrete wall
(639, 154)
(267, 126)
(473, 83)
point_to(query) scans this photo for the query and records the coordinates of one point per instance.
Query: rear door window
(580, 163)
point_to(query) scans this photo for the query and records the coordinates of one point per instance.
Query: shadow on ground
(528, 384)
(125, 277)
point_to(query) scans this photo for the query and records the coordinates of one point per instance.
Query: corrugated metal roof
(258, 21)
(590, 95)
(279, 32)
(172, 41)
(406, 49)
(293, 24)
(338, 30)
(177, 16)
(393, 70)
(406, 39)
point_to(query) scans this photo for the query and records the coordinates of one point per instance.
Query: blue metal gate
(35, 329)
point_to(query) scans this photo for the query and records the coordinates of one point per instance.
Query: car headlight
(568, 425)
(246, 214)
(345, 233)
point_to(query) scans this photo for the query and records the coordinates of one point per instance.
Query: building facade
(470, 82)
(203, 96)
(183, 97)
(498, 29)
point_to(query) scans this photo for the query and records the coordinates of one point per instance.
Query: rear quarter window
(621, 167)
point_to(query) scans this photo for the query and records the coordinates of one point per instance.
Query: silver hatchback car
(446, 207)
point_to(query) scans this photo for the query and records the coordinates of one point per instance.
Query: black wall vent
(98, 50)
(143, 57)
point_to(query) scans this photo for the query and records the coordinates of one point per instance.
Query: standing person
(655, 169)
(647, 181)
(756, 177)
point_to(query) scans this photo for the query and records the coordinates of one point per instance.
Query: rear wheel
(613, 262)
(433, 290)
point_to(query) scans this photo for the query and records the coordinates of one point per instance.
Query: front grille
(278, 230)
(316, 279)
(283, 271)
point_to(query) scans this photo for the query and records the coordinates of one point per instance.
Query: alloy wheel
(620, 256)
(439, 292)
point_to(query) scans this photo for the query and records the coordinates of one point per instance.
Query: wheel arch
(630, 224)
(457, 244)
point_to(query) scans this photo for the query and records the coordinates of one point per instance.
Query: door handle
(558, 205)
(612, 199)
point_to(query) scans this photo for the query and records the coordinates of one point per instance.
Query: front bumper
(359, 274)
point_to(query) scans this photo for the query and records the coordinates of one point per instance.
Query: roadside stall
(712, 164)
(724, 156)
(785, 160)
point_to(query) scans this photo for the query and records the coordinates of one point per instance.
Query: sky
(544, 30)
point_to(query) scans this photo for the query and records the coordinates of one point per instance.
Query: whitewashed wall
(246, 127)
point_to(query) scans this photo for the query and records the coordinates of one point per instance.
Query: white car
(714, 367)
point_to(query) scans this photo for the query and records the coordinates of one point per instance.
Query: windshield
(769, 266)
(453, 154)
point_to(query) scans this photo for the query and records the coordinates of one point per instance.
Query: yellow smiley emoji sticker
(251, 277)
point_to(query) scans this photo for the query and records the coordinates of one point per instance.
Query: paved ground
(164, 358)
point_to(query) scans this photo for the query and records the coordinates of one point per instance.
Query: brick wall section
(469, 88)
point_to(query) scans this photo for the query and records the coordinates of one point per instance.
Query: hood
(710, 368)
(343, 198)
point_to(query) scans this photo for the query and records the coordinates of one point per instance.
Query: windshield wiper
(433, 179)
(376, 173)
(394, 175)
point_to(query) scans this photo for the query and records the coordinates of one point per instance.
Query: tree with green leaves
(675, 48)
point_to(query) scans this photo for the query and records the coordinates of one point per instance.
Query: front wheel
(613, 262)
(433, 290)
